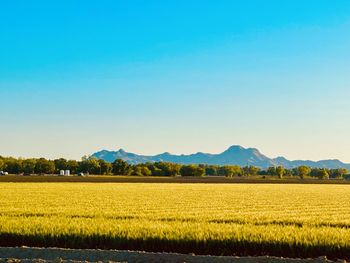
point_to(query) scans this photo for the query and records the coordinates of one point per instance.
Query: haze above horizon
(153, 76)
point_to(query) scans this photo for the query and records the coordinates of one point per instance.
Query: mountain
(110, 156)
(235, 155)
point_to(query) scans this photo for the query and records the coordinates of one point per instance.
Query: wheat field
(222, 219)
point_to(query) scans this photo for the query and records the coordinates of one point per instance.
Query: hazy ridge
(234, 155)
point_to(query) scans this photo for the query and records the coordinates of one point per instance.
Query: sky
(175, 76)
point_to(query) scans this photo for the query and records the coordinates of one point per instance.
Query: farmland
(294, 220)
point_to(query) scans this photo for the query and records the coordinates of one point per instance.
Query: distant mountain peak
(235, 148)
(121, 151)
(255, 150)
(281, 157)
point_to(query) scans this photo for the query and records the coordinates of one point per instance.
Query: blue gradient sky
(177, 76)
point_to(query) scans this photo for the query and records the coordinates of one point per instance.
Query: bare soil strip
(26, 254)
(140, 179)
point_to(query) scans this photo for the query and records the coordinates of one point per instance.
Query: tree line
(90, 165)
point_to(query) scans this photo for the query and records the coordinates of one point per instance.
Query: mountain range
(234, 155)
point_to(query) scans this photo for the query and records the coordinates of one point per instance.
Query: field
(293, 220)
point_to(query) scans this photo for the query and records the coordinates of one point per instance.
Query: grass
(293, 220)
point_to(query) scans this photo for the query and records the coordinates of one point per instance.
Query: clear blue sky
(177, 76)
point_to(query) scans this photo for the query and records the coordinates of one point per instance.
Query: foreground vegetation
(244, 219)
(120, 167)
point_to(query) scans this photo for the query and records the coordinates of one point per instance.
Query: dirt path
(25, 254)
(163, 179)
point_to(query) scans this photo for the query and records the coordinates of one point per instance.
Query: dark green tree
(250, 171)
(121, 167)
(271, 171)
(211, 170)
(230, 171)
(90, 165)
(28, 166)
(2, 164)
(105, 167)
(13, 166)
(323, 174)
(61, 164)
(168, 169)
(192, 170)
(145, 171)
(43, 166)
(338, 173)
(73, 166)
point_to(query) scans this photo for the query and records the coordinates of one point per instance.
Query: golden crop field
(225, 219)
